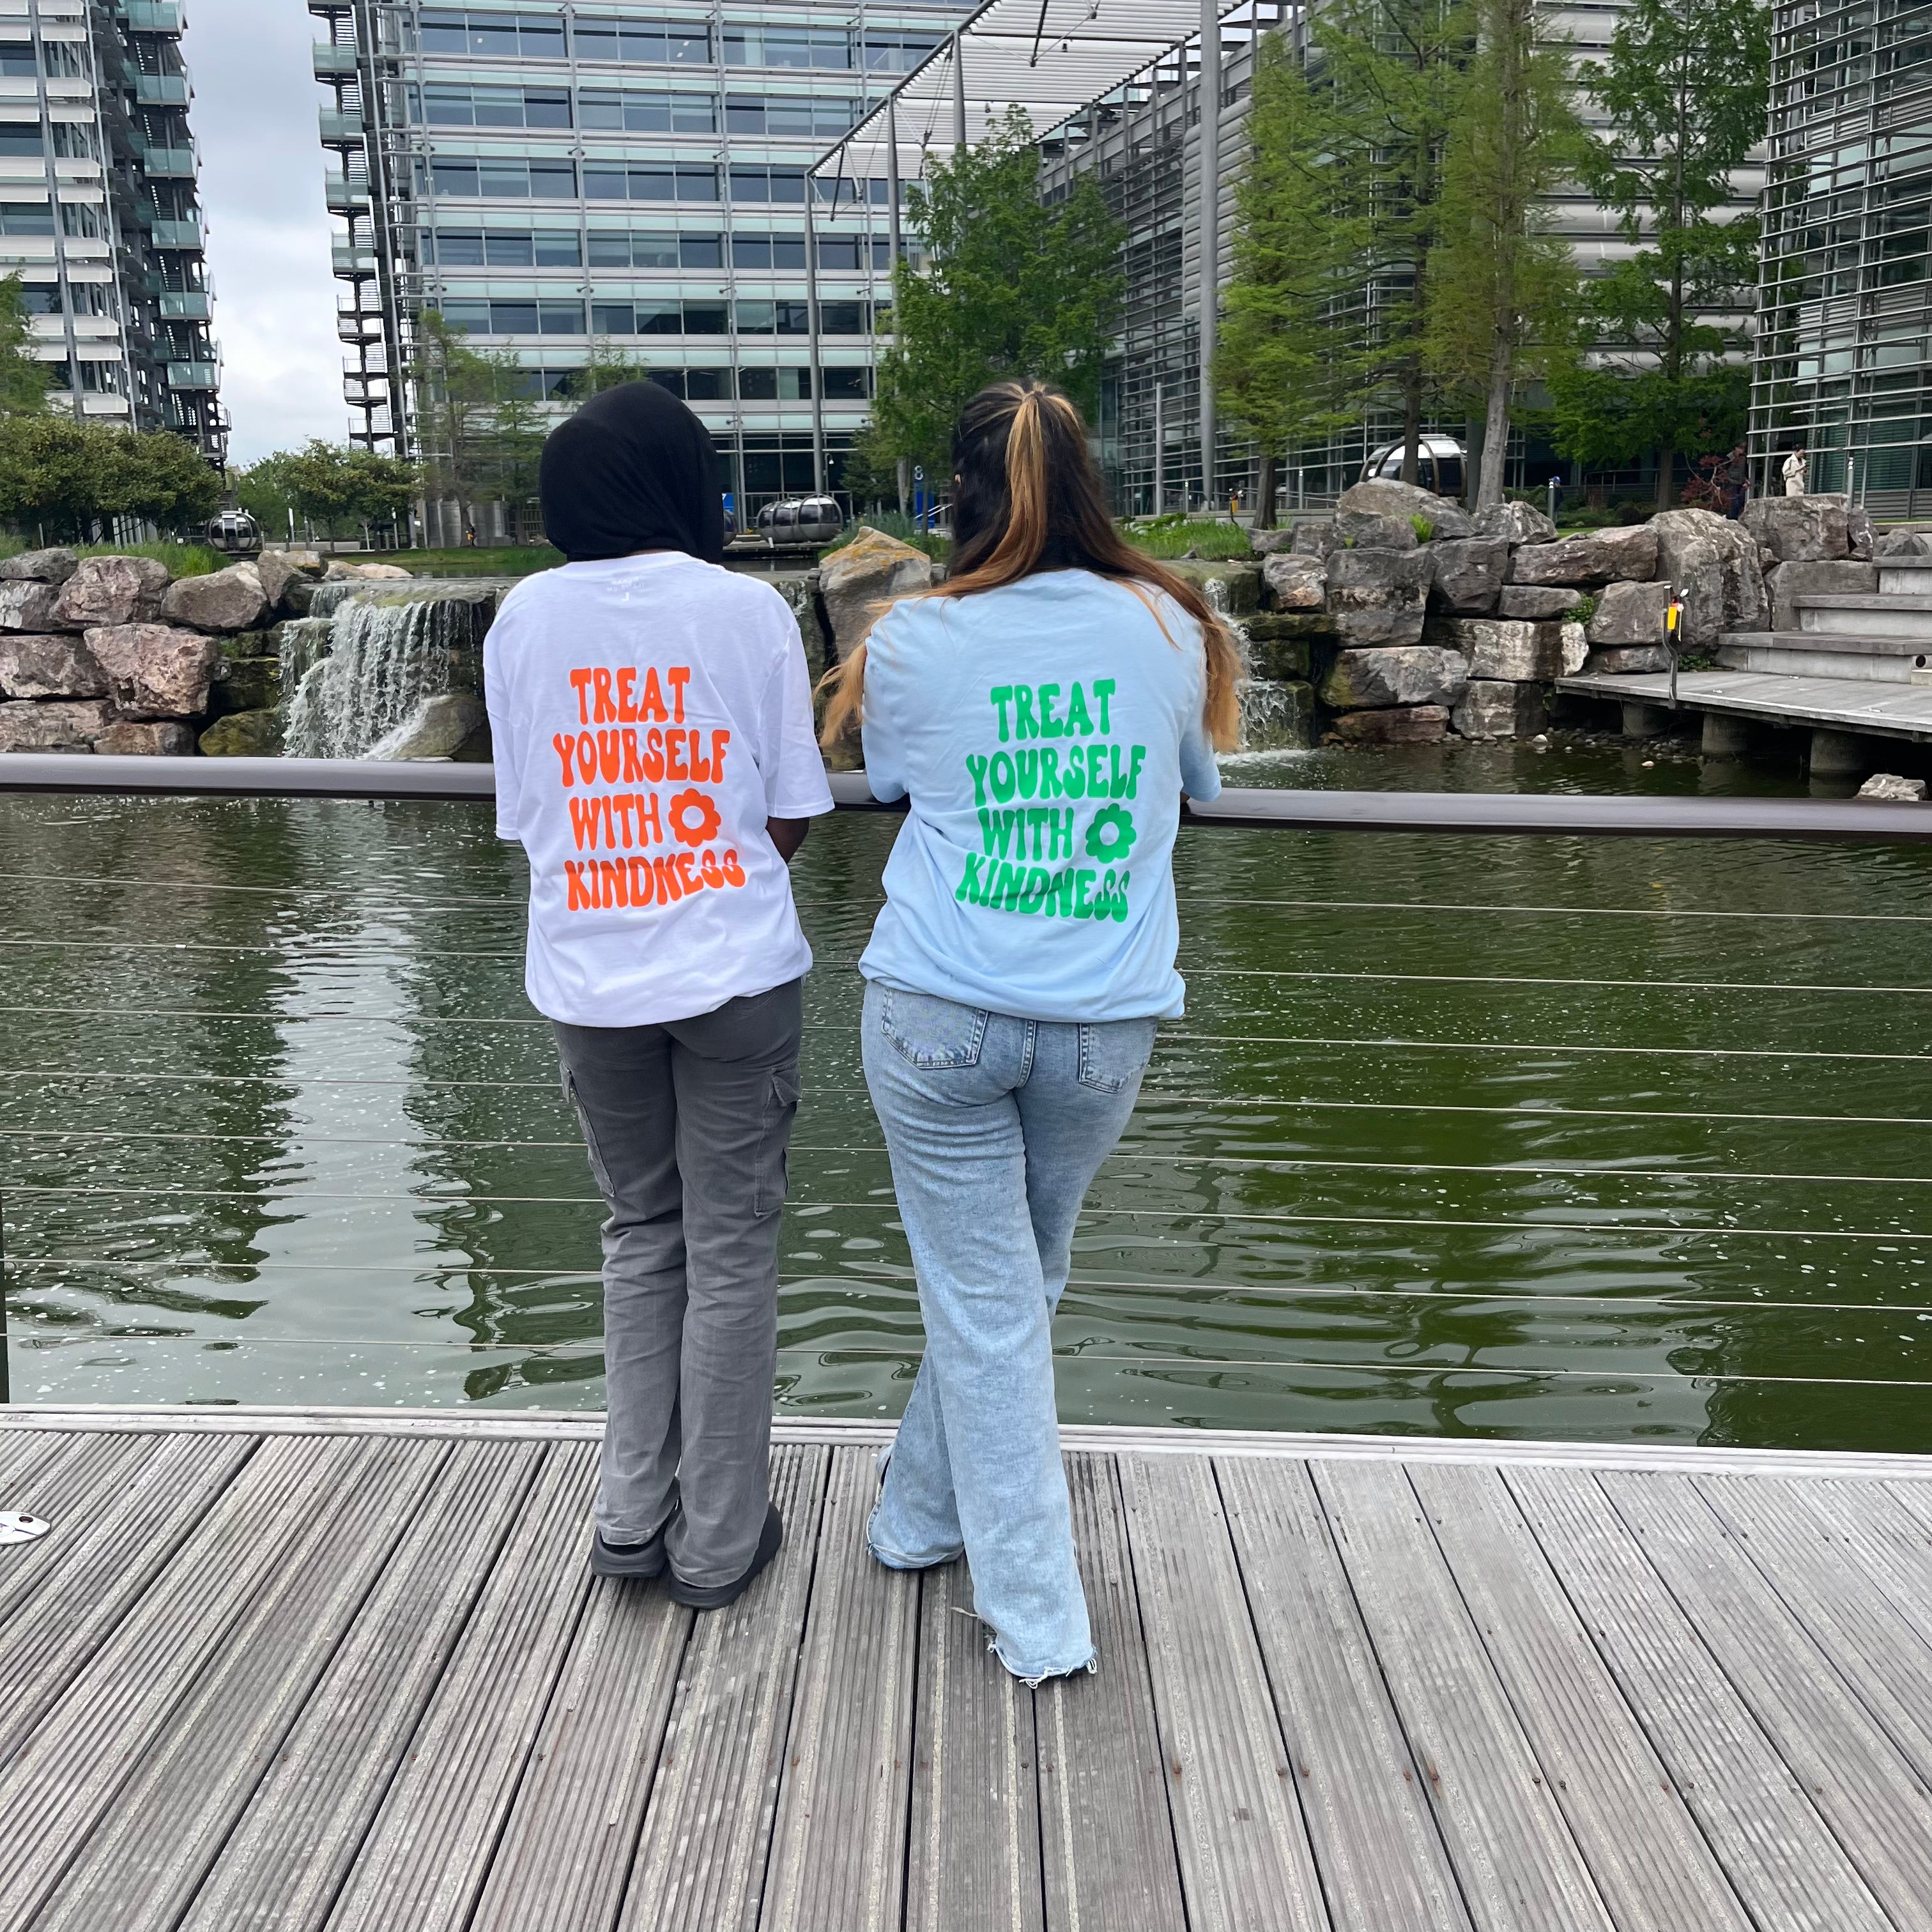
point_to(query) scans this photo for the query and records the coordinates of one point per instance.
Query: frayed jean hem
(1033, 1680)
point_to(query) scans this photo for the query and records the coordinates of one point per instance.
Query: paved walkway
(347, 1669)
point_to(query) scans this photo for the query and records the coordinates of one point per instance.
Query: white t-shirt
(650, 714)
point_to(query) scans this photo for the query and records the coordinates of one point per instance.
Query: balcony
(178, 234)
(170, 163)
(161, 90)
(193, 375)
(152, 16)
(354, 326)
(184, 304)
(344, 196)
(333, 63)
(352, 258)
(339, 129)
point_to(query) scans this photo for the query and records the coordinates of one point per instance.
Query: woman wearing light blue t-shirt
(1042, 713)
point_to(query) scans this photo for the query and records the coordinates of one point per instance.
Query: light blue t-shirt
(1044, 734)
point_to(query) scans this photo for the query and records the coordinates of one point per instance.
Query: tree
(328, 483)
(608, 366)
(1010, 288)
(1685, 90)
(1282, 349)
(458, 392)
(1502, 289)
(68, 475)
(24, 380)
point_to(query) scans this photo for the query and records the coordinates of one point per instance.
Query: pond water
(1547, 1138)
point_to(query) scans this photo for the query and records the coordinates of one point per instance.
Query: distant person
(1794, 473)
(1737, 482)
(652, 715)
(1043, 711)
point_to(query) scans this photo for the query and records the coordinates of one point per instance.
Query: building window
(503, 248)
(661, 112)
(104, 378)
(648, 43)
(780, 115)
(843, 385)
(504, 36)
(697, 385)
(61, 60)
(774, 318)
(897, 50)
(787, 46)
(447, 104)
(21, 137)
(650, 248)
(498, 317)
(25, 217)
(852, 252)
(88, 224)
(16, 58)
(505, 179)
(769, 251)
(643, 318)
(768, 184)
(648, 180)
(774, 385)
(74, 141)
(41, 299)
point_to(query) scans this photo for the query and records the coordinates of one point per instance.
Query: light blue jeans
(995, 1126)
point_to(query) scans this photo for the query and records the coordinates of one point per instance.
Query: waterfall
(1272, 714)
(357, 670)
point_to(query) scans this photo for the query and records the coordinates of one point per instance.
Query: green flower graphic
(1111, 837)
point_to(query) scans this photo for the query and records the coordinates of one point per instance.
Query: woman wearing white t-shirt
(1043, 713)
(652, 717)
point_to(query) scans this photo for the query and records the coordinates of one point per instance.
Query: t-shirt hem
(1174, 1009)
(653, 1014)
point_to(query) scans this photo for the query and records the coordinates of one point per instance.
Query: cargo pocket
(598, 1172)
(929, 1032)
(1113, 1056)
(768, 1195)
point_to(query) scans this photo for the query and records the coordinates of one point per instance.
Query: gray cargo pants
(687, 1125)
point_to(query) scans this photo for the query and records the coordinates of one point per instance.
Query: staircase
(1883, 637)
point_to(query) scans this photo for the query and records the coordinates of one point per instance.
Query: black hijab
(632, 469)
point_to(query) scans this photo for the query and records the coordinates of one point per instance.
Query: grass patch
(522, 560)
(889, 522)
(1173, 537)
(182, 560)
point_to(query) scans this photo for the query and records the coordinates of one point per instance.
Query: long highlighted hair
(1028, 500)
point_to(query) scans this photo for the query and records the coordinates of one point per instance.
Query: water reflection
(1585, 1167)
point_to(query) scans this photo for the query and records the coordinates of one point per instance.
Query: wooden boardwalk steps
(309, 1672)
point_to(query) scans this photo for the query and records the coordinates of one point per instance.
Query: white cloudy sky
(255, 105)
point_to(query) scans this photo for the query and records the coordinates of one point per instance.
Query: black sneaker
(715, 1596)
(628, 1559)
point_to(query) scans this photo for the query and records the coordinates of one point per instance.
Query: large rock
(1403, 674)
(800, 589)
(1712, 563)
(56, 726)
(39, 566)
(1469, 573)
(859, 583)
(1860, 532)
(1379, 596)
(1626, 554)
(109, 590)
(1787, 583)
(1280, 644)
(243, 734)
(373, 573)
(1535, 602)
(225, 601)
(146, 738)
(1576, 649)
(1800, 529)
(1265, 543)
(1630, 613)
(1504, 647)
(1893, 790)
(444, 726)
(1520, 523)
(1497, 708)
(280, 568)
(1902, 543)
(1627, 660)
(1416, 724)
(253, 682)
(1383, 498)
(1315, 536)
(1370, 529)
(48, 667)
(156, 671)
(1295, 582)
(26, 604)
(1233, 587)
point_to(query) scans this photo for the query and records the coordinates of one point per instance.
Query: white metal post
(959, 88)
(812, 326)
(1159, 448)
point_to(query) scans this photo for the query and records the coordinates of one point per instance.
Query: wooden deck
(1837, 704)
(348, 1669)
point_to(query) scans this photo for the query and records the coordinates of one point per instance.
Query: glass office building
(564, 181)
(99, 216)
(1845, 303)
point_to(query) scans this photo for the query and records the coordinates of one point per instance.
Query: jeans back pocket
(930, 1032)
(1114, 1054)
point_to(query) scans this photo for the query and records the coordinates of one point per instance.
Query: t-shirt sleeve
(794, 772)
(1200, 775)
(506, 737)
(881, 738)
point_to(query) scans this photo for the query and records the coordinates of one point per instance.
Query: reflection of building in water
(1842, 346)
(557, 180)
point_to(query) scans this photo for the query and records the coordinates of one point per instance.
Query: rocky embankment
(111, 654)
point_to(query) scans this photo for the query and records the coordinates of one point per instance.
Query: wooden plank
(838, 1845)
(1382, 1858)
(1759, 1820)
(1508, 1842)
(1880, 1650)
(142, 1866)
(288, 1858)
(1106, 1836)
(565, 1854)
(1245, 1862)
(701, 1861)
(424, 1861)
(1642, 1845)
(1880, 1811)
(67, 1775)
(974, 1856)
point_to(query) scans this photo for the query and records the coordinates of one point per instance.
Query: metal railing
(1464, 814)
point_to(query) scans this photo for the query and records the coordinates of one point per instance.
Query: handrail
(1493, 813)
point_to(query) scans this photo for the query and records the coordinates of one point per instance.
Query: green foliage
(1174, 536)
(1684, 91)
(1424, 527)
(24, 380)
(327, 483)
(182, 560)
(890, 523)
(1011, 288)
(518, 560)
(66, 476)
(1502, 288)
